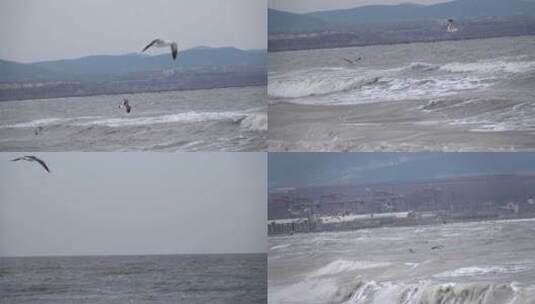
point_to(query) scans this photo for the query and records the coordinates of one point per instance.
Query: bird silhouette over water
(31, 158)
(451, 28)
(160, 43)
(352, 61)
(126, 105)
(38, 130)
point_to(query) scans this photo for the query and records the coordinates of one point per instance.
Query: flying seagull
(126, 105)
(163, 43)
(451, 26)
(32, 158)
(352, 61)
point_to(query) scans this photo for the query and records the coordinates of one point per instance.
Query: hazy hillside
(130, 63)
(280, 22)
(412, 12)
(13, 71)
(195, 68)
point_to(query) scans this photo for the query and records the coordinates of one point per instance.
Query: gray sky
(35, 30)
(305, 6)
(133, 203)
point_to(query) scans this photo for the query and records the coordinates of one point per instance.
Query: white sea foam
(280, 246)
(354, 87)
(187, 117)
(255, 122)
(318, 82)
(481, 271)
(490, 66)
(340, 266)
(37, 123)
(327, 290)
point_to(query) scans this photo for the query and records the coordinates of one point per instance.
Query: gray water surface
(480, 262)
(134, 279)
(442, 96)
(229, 119)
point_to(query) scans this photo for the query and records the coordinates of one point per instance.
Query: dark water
(135, 279)
(228, 119)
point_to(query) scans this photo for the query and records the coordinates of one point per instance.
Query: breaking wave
(372, 292)
(489, 67)
(187, 117)
(255, 122)
(482, 270)
(416, 80)
(317, 83)
(339, 266)
(248, 121)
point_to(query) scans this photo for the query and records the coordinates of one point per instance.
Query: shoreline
(140, 92)
(455, 221)
(422, 41)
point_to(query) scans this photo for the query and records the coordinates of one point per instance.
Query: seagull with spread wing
(126, 105)
(32, 158)
(451, 28)
(352, 61)
(160, 43)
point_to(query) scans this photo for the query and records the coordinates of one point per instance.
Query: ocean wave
(371, 292)
(340, 266)
(45, 122)
(482, 270)
(417, 67)
(250, 121)
(255, 122)
(186, 117)
(317, 82)
(428, 292)
(280, 246)
(520, 117)
(347, 87)
(489, 67)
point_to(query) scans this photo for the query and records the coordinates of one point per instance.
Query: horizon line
(123, 254)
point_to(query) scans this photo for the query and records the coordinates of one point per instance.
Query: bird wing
(174, 50)
(150, 44)
(17, 159)
(42, 163)
(349, 61)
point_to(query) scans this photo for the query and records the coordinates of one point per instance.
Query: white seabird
(451, 26)
(163, 43)
(32, 158)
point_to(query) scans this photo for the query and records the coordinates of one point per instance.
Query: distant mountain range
(196, 58)
(197, 68)
(284, 22)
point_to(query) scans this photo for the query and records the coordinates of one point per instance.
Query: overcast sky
(133, 203)
(34, 30)
(312, 169)
(305, 6)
